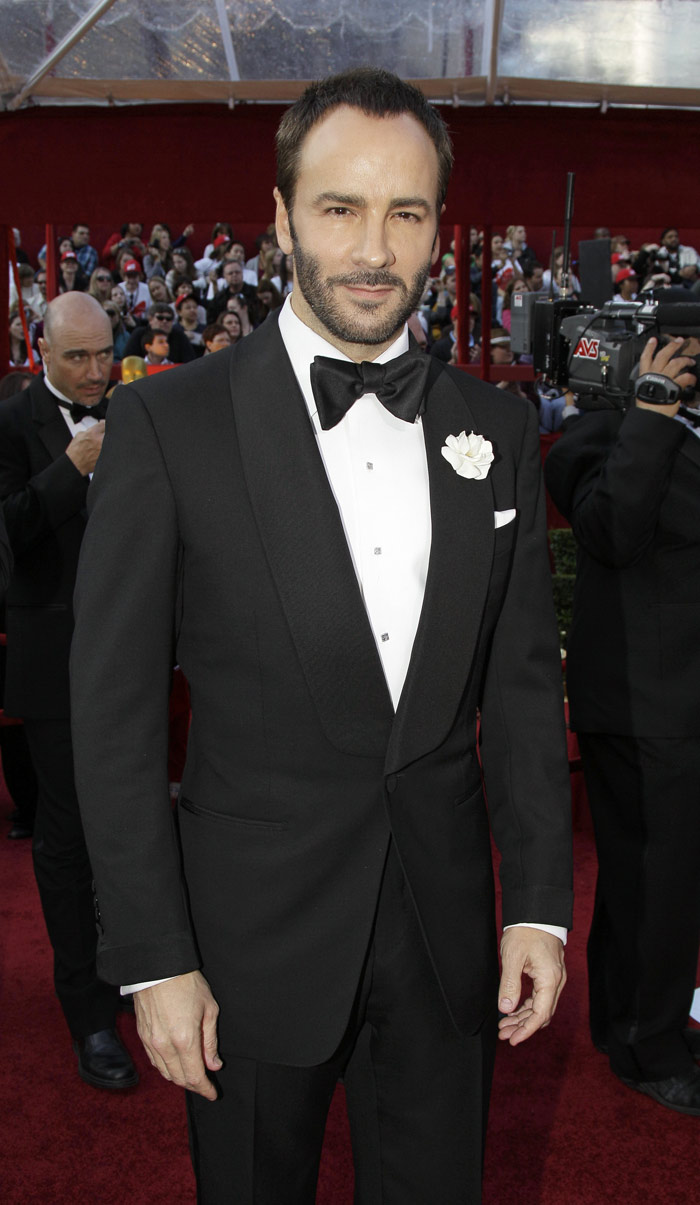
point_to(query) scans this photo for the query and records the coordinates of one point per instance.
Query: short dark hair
(210, 332)
(377, 93)
(159, 307)
(149, 335)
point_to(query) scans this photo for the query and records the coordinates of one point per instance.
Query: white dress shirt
(377, 469)
(378, 472)
(85, 423)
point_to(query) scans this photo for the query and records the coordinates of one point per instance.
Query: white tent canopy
(597, 52)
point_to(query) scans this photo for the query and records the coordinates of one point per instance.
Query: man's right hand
(667, 362)
(176, 1022)
(85, 447)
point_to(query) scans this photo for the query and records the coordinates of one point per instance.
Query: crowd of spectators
(153, 283)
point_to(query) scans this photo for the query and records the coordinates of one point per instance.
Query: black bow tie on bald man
(78, 412)
(399, 385)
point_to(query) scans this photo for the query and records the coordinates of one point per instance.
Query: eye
(405, 215)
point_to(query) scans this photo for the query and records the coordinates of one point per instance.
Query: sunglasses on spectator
(101, 278)
(165, 317)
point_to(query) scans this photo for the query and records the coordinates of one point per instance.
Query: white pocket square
(503, 516)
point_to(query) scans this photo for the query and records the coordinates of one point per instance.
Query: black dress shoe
(104, 1062)
(679, 1092)
(19, 831)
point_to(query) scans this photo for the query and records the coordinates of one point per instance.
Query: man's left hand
(539, 955)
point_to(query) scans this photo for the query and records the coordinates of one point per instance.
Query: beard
(368, 322)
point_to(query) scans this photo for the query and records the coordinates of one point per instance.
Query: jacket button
(391, 783)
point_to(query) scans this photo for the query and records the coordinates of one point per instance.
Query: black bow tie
(399, 385)
(78, 412)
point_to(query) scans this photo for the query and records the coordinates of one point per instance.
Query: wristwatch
(657, 389)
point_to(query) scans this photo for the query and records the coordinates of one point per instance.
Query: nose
(372, 247)
(97, 371)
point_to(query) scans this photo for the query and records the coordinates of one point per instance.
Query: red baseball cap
(131, 266)
(221, 238)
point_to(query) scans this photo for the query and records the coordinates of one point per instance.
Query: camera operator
(629, 482)
(667, 259)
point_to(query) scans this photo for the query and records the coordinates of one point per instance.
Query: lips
(368, 291)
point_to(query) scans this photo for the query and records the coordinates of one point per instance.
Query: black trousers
(18, 772)
(64, 879)
(417, 1093)
(644, 795)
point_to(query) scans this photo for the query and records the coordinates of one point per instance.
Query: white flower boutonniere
(470, 455)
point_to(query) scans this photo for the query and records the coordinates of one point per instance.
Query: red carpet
(563, 1130)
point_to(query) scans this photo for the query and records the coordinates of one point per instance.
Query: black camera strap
(657, 389)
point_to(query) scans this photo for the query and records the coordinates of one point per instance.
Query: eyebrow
(83, 351)
(359, 202)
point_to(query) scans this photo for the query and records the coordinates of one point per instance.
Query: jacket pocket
(249, 823)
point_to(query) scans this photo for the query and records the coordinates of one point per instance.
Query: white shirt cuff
(128, 988)
(555, 930)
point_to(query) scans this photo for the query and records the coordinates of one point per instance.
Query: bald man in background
(50, 439)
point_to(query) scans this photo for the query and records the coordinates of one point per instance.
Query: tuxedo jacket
(43, 498)
(630, 487)
(214, 538)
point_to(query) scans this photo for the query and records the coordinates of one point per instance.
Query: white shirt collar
(302, 345)
(56, 392)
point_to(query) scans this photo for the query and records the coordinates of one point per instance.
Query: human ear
(284, 236)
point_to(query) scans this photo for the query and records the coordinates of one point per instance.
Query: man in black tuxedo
(630, 484)
(50, 438)
(345, 576)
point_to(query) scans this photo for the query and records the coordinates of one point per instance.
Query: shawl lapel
(456, 586)
(306, 548)
(52, 428)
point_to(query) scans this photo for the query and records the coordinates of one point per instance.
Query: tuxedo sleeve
(610, 476)
(523, 737)
(35, 504)
(121, 666)
(5, 557)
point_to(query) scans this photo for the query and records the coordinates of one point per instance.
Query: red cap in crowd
(625, 274)
(220, 239)
(68, 255)
(131, 266)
